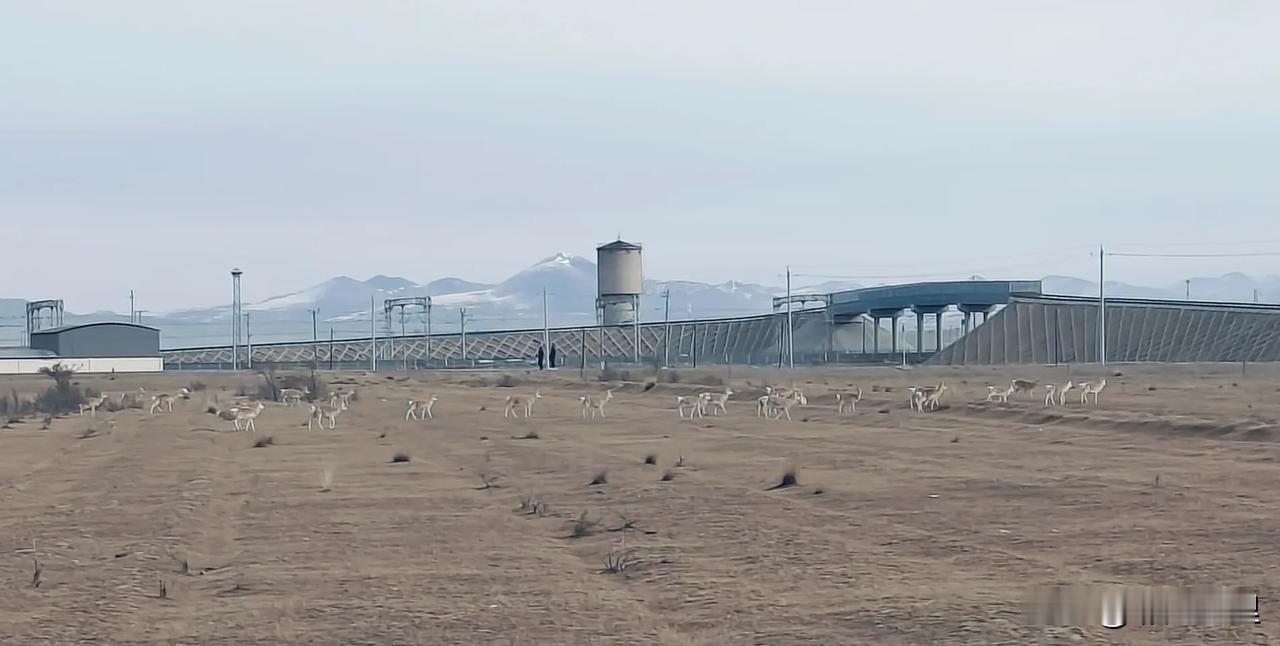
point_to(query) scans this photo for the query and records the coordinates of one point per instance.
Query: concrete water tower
(619, 282)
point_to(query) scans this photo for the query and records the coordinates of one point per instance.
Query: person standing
(542, 355)
(552, 363)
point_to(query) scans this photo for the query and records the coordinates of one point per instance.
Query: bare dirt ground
(903, 529)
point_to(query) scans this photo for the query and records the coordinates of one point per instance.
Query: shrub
(788, 479)
(314, 386)
(652, 458)
(601, 477)
(196, 386)
(507, 381)
(400, 457)
(668, 475)
(584, 526)
(263, 442)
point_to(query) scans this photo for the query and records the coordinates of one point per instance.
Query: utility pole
(462, 322)
(546, 329)
(133, 313)
(1102, 306)
(235, 318)
(666, 328)
(248, 341)
(1188, 289)
(404, 347)
(1255, 295)
(791, 346)
(373, 337)
(315, 341)
(428, 331)
(331, 347)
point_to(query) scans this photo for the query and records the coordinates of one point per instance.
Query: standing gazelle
(848, 400)
(1091, 388)
(420, 408)
(595, 404)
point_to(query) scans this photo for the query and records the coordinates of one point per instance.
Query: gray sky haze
(153, 145)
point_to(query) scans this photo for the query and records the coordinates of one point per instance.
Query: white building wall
(85, 365)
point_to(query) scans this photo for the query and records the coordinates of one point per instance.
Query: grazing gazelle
(595, 404)
(524, 402)
(420, 408)
(1023, 386)
(164, 401)
(848, 400)
(248, 415)
(91, 404)
(1091, 388)
(293, 396)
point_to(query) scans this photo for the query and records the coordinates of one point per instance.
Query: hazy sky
(154, 144)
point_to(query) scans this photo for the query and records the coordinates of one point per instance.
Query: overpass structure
(873, 305)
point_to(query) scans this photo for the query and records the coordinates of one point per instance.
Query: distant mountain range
(570, 284)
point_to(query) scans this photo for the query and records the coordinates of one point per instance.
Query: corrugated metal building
(107, 346)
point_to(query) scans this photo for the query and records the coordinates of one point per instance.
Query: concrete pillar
(875, 334)
(937, 332)
(919, 332)
(968, 319)
(893, 320)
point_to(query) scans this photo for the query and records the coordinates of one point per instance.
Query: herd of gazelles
(776, 403)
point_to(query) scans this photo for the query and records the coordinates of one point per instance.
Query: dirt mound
(1253, 429)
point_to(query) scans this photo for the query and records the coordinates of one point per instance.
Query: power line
(1258, 254)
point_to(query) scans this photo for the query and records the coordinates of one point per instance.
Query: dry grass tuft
(617, 561)
(487, 481)
(263, 442)
(668, 476)
(680, 462)
(652, 458)
(532, 506)
(601, 477)
(399, 457)
(36, 571)
(531, 435)
(584, 526)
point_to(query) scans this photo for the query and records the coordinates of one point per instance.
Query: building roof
(25, 353)
(619, 245)
(64, 328)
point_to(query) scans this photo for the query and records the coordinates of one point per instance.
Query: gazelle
(319, 414)
(848, 400)
(524, 402)
(595, 404)
(776, 406)
(1023, 386)
(696, 404)
(341, 400)
(248, 415)
(716, 401)
(997, 394)
(1062, 392)
(792, 393)
(1050, 395)
(420, 408)
(1091, 388)
(933, 397)
(293, 396)
(162, 402)
(91, 404)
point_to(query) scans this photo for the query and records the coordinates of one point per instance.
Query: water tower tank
(619, 280)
